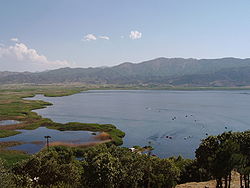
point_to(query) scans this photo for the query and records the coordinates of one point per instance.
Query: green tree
(217, 154)
(119, 167)
(164, 173)
(243, 157)
(6, 177)
(47, 169)
(190, 171)
(132, 166)
(101, 170)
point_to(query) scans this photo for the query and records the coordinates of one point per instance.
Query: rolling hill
(162, 71)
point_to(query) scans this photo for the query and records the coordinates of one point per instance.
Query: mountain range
(160, 71)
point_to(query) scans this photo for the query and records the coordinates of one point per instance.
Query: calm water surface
(8, 122)
(35, 141)
(184, 116)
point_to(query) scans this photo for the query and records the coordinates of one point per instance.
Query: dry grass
(13, 127)
(37, 142)
(212, 184)
(9, 144)
(87, 144)
(103, 136)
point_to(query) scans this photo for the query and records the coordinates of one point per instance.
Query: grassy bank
(13, 106)
(7, 133)
(11, 156)
(115, 134)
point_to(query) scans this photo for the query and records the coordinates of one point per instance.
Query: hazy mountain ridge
(170, 71)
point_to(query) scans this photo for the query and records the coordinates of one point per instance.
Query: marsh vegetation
(14, 107)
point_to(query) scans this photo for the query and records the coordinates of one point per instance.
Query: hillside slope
(167, 71)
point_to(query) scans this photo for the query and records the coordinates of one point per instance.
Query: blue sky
(46, 34)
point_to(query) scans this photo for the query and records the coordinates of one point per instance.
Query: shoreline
(31, 120)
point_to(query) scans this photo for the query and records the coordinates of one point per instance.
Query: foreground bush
(6, 177)
(119, 167)
(47, 169)
(98, 167)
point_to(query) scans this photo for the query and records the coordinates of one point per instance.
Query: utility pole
(47, 141)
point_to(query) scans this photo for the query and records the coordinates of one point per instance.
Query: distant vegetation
(13, 106)
(227, 72)
(115, 134)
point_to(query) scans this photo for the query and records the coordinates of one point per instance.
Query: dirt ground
(211, 184)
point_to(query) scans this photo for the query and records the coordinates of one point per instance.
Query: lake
(8, 122)
(34, 140)
(173, 121)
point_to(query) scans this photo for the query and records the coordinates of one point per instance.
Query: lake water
(8, 122)
(173, 121)
(35, 141)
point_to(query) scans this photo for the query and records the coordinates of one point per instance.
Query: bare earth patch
(212, 184)
(103, 136)
(87, 144)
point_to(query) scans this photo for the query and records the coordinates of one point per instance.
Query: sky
(47, 34)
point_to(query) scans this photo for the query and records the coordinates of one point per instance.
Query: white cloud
(104, 37)
(21, 58)
(89, 37)
(14, 39)
(122, 37)
(1, 45)
(135, 35)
